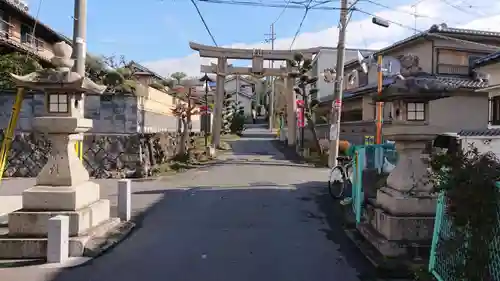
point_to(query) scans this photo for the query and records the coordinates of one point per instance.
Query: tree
(237, 118)
(227, 106)
(178, 76)
(310, 103)
(111, 71)
(184, 111)
(16, 63)
(95, 68)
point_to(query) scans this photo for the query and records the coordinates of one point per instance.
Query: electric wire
(300, 25)
(458, 8)
(281, 13)
(204, 23)
(37, 15)
(291, 5)
(489, 46)
(401, 11)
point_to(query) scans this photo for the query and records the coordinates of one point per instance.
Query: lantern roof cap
(61, 78)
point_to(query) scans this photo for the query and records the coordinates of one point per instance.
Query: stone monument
(63, 186)
(401, 218)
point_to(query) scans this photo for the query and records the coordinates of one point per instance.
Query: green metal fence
(369, 157)
(441, 264)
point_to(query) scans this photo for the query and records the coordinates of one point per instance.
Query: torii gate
(221, 69)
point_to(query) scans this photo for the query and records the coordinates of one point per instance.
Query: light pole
(206, 79)
(380, 78)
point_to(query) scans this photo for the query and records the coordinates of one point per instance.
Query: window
(4, 26)
(352, 115)
(362, 78)
(415, 111)
(495, 110)
(106, 98)
(58, 103)
(26, 34)
(456, 62)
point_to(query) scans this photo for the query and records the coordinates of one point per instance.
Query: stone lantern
(63, 186)
(404, 209)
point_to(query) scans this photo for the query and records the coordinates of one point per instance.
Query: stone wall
(117, 114)
(105, 156)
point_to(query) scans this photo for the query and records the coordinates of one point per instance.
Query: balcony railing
(32, 41)
(453, 69)
(25, 41)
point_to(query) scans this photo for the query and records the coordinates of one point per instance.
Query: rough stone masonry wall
(105, 156)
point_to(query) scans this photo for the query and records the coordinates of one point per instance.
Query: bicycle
(341, 177)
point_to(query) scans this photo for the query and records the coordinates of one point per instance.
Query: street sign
(337, 104)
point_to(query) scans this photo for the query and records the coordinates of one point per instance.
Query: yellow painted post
(79, 149)
(9, 132)
(380, 105)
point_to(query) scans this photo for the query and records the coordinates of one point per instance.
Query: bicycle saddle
(343, 158)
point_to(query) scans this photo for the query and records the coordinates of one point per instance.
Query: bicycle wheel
(336, 182)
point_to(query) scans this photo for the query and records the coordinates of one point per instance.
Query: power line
(292, 5)
(489, 46)
(458, 8)
(281, 13)
(415, 14)
(204, 23)
(300, 25)
(34, 27)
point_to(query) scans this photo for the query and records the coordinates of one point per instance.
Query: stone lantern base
(401, 218)
(63, 188)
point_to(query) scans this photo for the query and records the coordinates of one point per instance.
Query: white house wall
(327, 58)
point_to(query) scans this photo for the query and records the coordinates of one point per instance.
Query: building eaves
(463, 83)
(487, 60)
(241, 79)
(241, 94)
(454, 82)
(441, 29)
(142, 68)
(480, 133)
(38, 23)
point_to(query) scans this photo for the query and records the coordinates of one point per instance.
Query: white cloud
(362, 33)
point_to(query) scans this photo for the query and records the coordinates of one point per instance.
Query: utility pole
(79, 53)
(237, 89)
(79, 35)
(338, 87)
(271, 39)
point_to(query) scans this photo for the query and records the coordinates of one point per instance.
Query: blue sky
(149, 30)
(157, 32)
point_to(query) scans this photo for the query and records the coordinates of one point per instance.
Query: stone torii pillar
(219, 100)
(291, 107)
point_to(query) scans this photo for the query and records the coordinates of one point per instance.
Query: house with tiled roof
(441, 55)
(489, 66)
(16, 32)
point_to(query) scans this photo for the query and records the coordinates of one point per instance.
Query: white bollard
(124, 199)
(58, 239)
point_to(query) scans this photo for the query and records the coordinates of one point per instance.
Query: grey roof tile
(489, 59)
(480, 133)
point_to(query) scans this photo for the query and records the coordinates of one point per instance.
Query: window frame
(58, 102)
(495, 118)
(415, 110)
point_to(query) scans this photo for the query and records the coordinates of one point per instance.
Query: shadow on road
(265, 232)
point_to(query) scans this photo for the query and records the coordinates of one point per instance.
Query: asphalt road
(256, 217)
